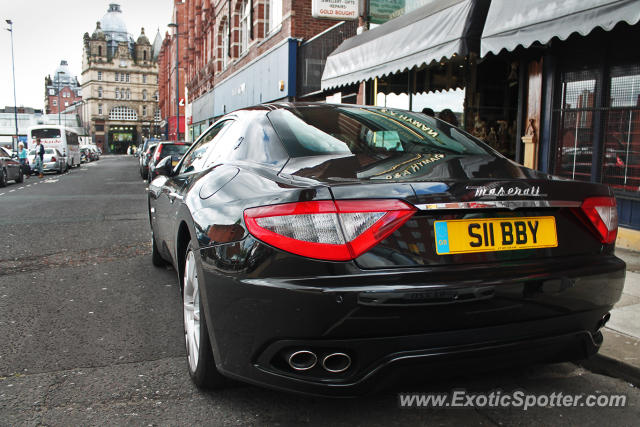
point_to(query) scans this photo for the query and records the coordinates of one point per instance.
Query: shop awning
(523, 22)
(440, 29)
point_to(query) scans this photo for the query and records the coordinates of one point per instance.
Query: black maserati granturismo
(326, 248)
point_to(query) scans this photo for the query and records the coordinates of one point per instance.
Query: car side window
(226, 144)
(194, 160)
(3, 153)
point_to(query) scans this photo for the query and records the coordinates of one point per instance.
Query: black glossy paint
(397, 306)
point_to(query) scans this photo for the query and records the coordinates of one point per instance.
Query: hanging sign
(340, 10)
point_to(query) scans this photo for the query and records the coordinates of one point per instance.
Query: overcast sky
(46, 31)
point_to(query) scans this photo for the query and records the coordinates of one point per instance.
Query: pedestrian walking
(39, 159)
(24, 162)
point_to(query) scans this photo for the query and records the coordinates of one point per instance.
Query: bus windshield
(45, 133)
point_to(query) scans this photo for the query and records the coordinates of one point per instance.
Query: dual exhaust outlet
(303, 360)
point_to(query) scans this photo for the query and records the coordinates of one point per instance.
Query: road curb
(601, 364)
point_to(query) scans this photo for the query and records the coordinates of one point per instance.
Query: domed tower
(115, 30)
(98, 44)
(143, 49)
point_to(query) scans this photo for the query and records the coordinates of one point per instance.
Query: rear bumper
(391, 322)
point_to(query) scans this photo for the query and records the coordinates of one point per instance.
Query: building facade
(66, 85)
(119, 85)
(169, 72)
(238, 53)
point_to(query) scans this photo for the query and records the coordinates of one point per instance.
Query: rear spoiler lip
(499, 204)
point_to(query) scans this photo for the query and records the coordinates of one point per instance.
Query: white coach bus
(63, 138)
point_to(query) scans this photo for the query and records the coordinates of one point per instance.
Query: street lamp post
(59, 106)
(175, 25)
(15, 103)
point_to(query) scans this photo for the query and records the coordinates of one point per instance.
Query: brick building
(167, 76)
(238, 53)
(65, 83)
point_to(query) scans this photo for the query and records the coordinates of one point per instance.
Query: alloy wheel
(191, 308)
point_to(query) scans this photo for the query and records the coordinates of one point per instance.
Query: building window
(117, 77)
(100, 92)
(621, 152)
(144, 55)
(128, 93)
(244, 26)
(144, 94)
(117, 93)
(55, 102)
(99, 128)
(144, 111)
(225, 44)
(99, 75)
(156, 115)
(66, 104)
(99, 50)
(575, 132)
(144, 78)
(99, 109)
(583, 104)
(123, 113)
(128, 77)
(273, 15)
(52, 92)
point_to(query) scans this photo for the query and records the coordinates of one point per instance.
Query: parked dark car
(324, 248)
(174, 149)
(84, 155)
(10, 168)
(144, 160)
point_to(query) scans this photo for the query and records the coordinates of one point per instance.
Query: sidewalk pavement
(619, 355)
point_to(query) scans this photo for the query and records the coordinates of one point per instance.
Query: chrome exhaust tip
(302, 360)
(336, 362)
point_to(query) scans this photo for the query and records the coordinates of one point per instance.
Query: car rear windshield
(173, 149)
(319, 130)
(45, 133)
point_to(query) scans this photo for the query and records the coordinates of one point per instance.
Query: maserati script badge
(533, 191)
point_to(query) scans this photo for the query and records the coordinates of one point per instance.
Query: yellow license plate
(460, 236)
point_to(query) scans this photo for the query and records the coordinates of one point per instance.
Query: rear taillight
(156, 157)
(603, 215)
(327, 230)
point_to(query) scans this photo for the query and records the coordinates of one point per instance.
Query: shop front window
(574, 149)
(621, 152)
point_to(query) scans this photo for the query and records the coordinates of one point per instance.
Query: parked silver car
(54, 161)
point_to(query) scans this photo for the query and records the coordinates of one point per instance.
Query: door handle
(173, 196)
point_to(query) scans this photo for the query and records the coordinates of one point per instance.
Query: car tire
(3, 178)
(202, 367)
(20, 177)
(156, 258)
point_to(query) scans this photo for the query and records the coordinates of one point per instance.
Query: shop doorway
(121, 137)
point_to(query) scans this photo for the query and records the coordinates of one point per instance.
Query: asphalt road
(91, 332)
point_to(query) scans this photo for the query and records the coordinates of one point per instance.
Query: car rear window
(173, 149)
(45, 133)
(318, 130)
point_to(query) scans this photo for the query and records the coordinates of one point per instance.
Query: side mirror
(164, 167)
